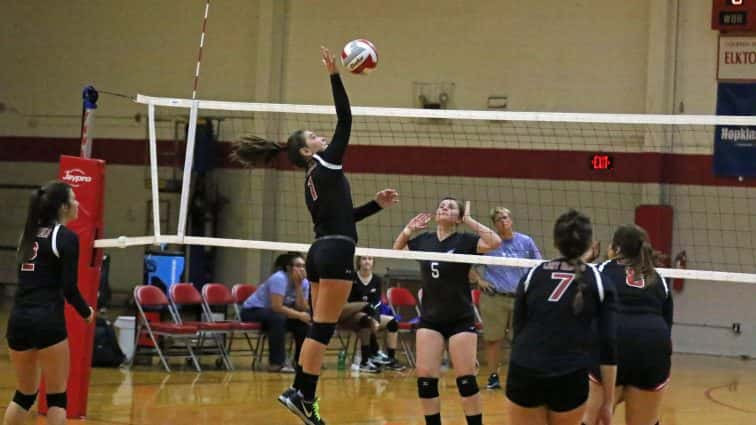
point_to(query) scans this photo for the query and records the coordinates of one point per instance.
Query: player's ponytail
(24, 250)
(632, 244)
(572, 236)
(254, 151)
(44, 206)
(646, 262)
(578, 303)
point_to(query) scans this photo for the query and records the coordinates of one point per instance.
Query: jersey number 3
(29, 267)
(565, 279)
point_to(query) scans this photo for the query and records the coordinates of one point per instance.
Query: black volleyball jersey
(370, 293)
(327, 192)
(50, 275)
(548, 337)
(446, 286)
(636, 295)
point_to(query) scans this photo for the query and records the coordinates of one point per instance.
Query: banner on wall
(735, 146)
(737, 58)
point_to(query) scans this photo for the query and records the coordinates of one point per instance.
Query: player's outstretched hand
(467, 211)
(419, 222)
(387, 198)
(328, 60)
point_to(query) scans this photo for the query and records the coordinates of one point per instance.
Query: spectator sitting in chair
(280, 305)
(367, 287)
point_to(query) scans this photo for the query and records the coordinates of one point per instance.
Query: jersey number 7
(565, 279)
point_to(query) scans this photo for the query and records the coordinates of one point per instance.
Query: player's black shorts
(36, 327)
(562, 393)
(331, 257)
(449, 329)
(643, 361)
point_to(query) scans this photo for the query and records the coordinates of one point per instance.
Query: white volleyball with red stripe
(359, 56)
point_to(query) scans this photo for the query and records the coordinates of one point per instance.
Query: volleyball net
(610, 166)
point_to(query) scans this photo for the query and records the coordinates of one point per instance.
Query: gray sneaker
(369, 367)
(395, 366)
(493, 382)
(380, 360)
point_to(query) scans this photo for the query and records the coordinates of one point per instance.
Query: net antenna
(190, 140)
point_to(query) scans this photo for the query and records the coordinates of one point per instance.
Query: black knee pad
(427, 387)
(57, 400)
(467, 385)
(392, 326)
(26, 401)
(365, 321)
(322, 332)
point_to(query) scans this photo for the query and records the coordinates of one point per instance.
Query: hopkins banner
(735, 146)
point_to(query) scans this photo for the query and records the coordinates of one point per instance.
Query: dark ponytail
(578, 303)
(573, 234)
(44, 205)
(254, 151)
(633, 245)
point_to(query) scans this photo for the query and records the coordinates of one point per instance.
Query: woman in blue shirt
(280, 304)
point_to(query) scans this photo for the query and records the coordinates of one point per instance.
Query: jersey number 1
(565, 279)
(311, 186)
(29, 267)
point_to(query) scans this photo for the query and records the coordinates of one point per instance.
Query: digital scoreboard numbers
(733, 15)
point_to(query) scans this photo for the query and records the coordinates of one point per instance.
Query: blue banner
(735, 146)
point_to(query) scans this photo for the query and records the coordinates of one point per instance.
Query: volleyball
(359, 56)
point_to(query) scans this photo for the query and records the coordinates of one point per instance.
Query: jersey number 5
(434, 270)
(565, 279)
(29, 267)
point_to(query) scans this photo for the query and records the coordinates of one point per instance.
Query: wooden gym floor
(704, 391)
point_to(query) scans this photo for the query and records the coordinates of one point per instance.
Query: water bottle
(341, 365)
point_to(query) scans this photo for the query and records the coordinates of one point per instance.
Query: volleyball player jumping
(330, 260)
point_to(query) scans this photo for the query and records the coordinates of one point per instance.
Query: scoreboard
(733, 15)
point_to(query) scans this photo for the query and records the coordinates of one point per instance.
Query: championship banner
(735, 146)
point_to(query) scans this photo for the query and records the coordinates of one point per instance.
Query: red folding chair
(402, 298)
(185, 294)
(240, 292)
(152, 296)
(216, 294)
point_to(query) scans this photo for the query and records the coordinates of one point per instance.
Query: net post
(188, 164)
(154, 170)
